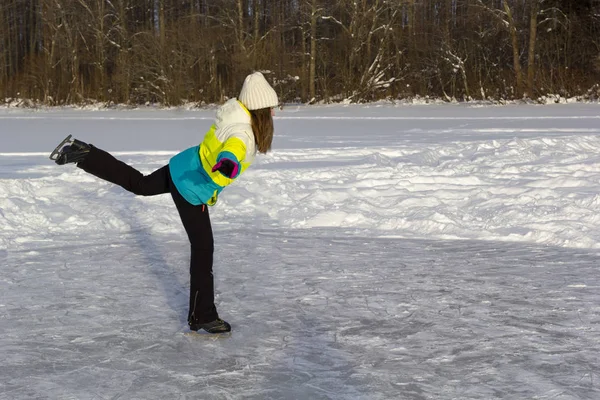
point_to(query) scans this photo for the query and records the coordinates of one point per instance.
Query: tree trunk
(240, 22)
(304, 65)
(313, 52)
(123, 63)
(515, 47)
(100, 50)
(162, 26)
(532, 40)
(4, 55)
(256, 32)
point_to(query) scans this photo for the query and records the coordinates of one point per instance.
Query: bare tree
(169, 51)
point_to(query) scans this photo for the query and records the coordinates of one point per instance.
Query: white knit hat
(257, 93)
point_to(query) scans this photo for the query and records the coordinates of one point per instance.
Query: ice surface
(414, 252)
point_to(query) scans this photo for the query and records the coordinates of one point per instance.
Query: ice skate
(218, 326)
(70, 150)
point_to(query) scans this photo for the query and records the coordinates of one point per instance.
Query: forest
(171, 52)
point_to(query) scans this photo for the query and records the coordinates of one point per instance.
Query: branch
(337, 22)
(498, 13)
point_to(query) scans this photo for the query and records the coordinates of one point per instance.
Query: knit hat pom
(257, 93)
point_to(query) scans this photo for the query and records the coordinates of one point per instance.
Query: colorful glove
(226, 167)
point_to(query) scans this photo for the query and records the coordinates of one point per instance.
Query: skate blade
(207, 336)
(54, 155)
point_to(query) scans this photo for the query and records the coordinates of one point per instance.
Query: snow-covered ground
(379, 252)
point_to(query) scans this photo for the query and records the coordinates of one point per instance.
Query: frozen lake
(379, 252)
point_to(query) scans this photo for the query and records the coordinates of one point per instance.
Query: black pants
(196, 222)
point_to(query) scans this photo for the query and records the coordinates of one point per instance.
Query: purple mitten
(227, 167)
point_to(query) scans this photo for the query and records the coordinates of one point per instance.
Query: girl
(195, 177)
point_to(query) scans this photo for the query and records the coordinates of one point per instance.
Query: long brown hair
(262, 126)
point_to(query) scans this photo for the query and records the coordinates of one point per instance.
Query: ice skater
(195, 177)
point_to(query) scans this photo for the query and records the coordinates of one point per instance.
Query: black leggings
(195, 219)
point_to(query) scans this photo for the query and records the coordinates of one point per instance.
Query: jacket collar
(244, 108)
(232, 112)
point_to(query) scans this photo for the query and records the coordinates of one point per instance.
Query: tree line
(174, 51)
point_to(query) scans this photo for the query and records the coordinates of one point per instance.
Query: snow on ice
(379, 252)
